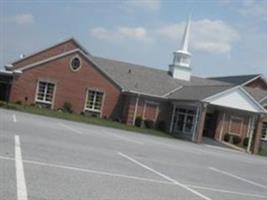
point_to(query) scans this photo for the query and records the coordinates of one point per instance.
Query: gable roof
(147, 80)
(236, 80)
(52, 46)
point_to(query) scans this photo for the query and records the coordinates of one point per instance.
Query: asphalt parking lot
(51, 159)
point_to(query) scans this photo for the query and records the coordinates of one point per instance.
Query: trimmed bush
(18, 102)
(67, 107)
(138, 121)
(161, 125)
(236, 139)
(226, 137)
(149, 123)
(245, 142)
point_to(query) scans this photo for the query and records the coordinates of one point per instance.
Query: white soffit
(235, 98)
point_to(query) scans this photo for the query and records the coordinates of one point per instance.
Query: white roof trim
(51, 46)
(263, 99)
(65, 54)
(235, 88)
(255, 78)
(174, 90)
(253, 99)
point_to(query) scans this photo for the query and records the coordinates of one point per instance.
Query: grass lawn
(81, 118)
(263, 152)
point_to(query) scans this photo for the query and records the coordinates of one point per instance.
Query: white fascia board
(255, 78)
(51, 46)
(146, 94)
(174, 90)
(47, 60)
(240, 88)
(253, 99)
(65, 54)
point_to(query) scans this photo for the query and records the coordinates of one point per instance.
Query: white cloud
(152, 5)
(255, 8)
(206, 35)
(22, 19)
(132, 33)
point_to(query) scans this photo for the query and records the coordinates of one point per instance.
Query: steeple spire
(185, 41)
(180, 68)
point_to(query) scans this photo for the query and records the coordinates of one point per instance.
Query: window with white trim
(45, 92)
(94, 100)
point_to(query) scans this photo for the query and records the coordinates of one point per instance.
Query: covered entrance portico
(232, 112)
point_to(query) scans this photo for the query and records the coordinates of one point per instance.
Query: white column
(252, 128)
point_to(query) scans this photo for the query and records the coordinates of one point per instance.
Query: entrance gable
(236, 98)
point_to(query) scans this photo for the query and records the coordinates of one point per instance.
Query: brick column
(201, 122)
(258, 133)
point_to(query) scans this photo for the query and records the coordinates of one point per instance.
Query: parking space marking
(14, 118)
(122, 138)
(70, 128)
(238, 177)
(165, 177)
(130, 177)
(20, 177)
(227, 191)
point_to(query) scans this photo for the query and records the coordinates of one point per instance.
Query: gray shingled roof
(193, 93)
(236, 80)
(147, 80)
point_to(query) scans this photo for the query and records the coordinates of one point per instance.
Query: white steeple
(180, 68)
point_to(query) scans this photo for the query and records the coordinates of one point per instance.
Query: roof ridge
(242, 75)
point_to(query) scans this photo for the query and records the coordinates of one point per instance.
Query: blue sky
(227, 37)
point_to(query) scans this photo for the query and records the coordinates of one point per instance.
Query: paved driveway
(50, 159)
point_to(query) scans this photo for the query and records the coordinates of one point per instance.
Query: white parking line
(165, 177)
(238, 177)
(129, 177)
(14, 118)
(21, 183)
(227, 191)
(70, 128)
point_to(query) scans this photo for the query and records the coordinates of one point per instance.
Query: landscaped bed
(80, 118)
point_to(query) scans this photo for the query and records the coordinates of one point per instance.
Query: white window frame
(37, 92)
(186, 115)
(102, 102)
(70, 63)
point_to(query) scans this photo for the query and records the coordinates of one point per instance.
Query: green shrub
(236, 139)
(226, 137)
(138, 121)
(67, 107)
(149, 123)
(18, 102)
(245, 142)
(161, 125)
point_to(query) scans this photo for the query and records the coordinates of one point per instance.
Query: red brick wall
(161, 110)
(224, 124)
(70, 86)
(59, 49)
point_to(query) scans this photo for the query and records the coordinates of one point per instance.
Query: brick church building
(190, 106)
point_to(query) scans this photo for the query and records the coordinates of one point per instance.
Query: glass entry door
(184, 121)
